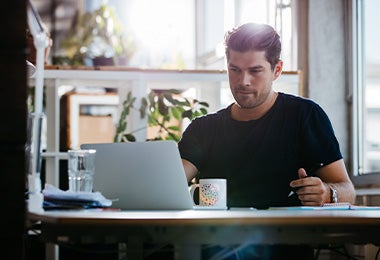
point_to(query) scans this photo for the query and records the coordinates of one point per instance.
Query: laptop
(141, 175)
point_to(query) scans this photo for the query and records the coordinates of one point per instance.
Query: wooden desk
(195, 227)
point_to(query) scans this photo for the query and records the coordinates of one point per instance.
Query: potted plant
(98, 36)
(164, 110)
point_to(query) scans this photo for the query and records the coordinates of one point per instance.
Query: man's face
(251, 77)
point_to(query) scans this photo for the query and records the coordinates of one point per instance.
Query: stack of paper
(55, 198)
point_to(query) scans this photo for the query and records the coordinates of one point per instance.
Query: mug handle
(193, 187)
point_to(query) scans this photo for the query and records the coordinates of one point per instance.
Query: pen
(311, 173)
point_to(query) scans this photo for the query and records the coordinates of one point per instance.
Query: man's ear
(278, 69)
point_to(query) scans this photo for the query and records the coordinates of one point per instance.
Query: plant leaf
(143, 108)
(174, 127)
(175, 91)
(187, 114)
(162, 108)
(130, 137)
(203, 111)
(205, 104)
(169, 98)
(176, 112)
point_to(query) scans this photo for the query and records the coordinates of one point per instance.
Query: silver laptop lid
(141, 175)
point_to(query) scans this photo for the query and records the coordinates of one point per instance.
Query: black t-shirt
(259, 158)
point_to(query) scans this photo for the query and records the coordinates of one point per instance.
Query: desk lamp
(40, 42)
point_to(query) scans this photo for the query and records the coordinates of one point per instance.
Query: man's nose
(246, 79)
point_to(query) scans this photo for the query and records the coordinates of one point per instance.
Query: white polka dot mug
(212, 193)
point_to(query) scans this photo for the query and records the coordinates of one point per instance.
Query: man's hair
(254, 37)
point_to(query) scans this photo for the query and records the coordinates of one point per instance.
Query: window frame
(358, 80)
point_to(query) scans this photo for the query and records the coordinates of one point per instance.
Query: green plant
(164, 111)
(97, 34)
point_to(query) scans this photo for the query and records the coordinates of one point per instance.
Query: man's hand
(311, 191)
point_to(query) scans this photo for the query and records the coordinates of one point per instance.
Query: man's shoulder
(296, 101)
(301, 107)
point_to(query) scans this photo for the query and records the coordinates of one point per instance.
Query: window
(366, 93)
(176, 34)
(188, 34)
(215, 17)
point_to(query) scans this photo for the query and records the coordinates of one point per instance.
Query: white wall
(327, 65)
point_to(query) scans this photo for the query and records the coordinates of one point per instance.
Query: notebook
(141, 175)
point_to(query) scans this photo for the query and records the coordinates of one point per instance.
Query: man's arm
(190, 170)
(315, 191)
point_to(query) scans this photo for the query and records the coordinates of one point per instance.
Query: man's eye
(255, 71)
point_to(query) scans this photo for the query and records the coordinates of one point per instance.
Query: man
(266, 143)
